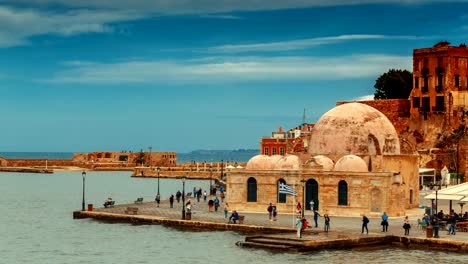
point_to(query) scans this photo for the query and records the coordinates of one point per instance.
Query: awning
(444, 196)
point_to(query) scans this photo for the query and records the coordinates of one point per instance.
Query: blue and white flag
(283, 188)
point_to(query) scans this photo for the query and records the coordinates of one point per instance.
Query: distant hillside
(240, 155)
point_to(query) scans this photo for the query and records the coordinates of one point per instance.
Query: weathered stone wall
(3, 162)
(39, 162)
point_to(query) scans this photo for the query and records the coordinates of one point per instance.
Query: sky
(182, 75)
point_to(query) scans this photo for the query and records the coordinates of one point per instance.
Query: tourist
(234, 217)
(384, 222)
(453, 225)
(407, 226)
(226, 210)
(305, 224)
(204, 196)
(316, 216)
(216, 204)
(222, 196)
(199, 194)
(298, 207)
(210, 205)
(270, 211)
(311, 203)
(275, 213)
(365, 221)
(178, 195)
(157, 199)
(441, 214)
(298, 226)
(327, 222)
(171, 201)
(425, 222)
(194, 192)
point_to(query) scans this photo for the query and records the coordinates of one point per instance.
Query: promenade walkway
(339, 226)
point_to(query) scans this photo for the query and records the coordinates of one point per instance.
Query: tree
(394, 84)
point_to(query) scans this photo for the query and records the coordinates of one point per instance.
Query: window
(439, 83)
(457, 80)
(265, 151)
(251, 190)
(281, 196)
(440, 104)
(425, 88)
(273, 151)
(416, 82)
(342, 193)
(426, 63)
(282, 151)
(416, 102)
(411, 196)
(439, 62)
(456, 62)
(426, 105)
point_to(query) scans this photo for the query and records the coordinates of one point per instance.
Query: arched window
(281, 196)
(342, 193)
(251, 190)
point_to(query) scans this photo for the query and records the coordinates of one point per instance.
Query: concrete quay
(345, 232)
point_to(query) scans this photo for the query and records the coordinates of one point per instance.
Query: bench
(132, 210)
(139, 200)
(108, 204)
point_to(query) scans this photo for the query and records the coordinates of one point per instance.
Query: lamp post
(211, 176)
(183, 178)
(158, 169)
(83, 174)
(222, 169)
(303, 182)
(461, 207)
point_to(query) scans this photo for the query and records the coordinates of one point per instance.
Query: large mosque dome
(354, 128)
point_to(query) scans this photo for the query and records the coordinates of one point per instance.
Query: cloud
(212, 6)
(215, 70)
(221, 16)
(364, 98)
(18, 25)
(298, 44)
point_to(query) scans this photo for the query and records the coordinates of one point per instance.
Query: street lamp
(211, 176)
(158, 169)
(183, 178)
(461, 207)
(83, 174)
(303, 182)
(222, 170)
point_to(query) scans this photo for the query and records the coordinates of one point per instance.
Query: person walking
(171, 201)
(226, 210)
(157, 199)
(275, 212)
(384, 222)
(365, 221)
(198, 194)
(178, 195)
(316, 216)
(406, 225)
(298, 226)
(327, 223)
(204, 196)
(210, 205)
(216, 204)
(270, 211)
(453, 225)
(221, 194)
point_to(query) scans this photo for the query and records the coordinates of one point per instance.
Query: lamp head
(158, 169)
(83, 174)
(183, 178)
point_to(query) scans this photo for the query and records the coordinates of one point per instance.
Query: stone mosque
(353, 166)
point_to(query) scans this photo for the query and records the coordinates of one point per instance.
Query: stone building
(353, 166)
(166, 159)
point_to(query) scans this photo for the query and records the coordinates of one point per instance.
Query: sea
(37, 226)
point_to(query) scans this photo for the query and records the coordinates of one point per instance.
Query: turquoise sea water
(36, 226)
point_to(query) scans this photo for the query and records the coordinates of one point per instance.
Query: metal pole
(211, 176)
(436, 211)
(83, 204)
(183, 199)
(158, 169)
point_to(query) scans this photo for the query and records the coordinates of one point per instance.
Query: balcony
(439, 70)
(438, 109)
(425, 71)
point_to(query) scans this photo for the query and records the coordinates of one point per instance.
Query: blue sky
(180, 75)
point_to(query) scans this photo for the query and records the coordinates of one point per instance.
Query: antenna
(304, 117)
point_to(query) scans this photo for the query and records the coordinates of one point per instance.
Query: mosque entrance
(376, 200)
(311, 194)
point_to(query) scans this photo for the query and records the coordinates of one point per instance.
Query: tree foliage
(394, 84)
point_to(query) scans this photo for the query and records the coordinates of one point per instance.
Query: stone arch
(312, 194)
(373, 146)
(251, 190)
(375, 200)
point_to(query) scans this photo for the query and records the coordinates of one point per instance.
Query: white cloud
(18, 25)
(212, 6)
(364, 98)
(230, 69)
(298, 44)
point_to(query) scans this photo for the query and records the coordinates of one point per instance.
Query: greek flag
(283, 188)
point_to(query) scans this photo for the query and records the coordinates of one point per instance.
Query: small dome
(351, 163)
(325, 162)
(288, 162)
(259, 162)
